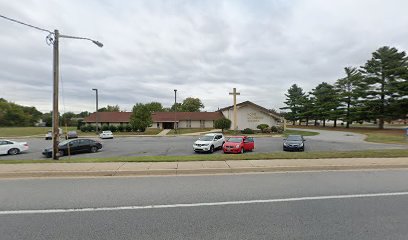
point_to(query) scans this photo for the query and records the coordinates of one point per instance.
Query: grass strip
(387, 153)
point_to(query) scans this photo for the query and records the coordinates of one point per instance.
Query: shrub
(113, 128)
(105, 127)
(262, 127)
(274, 129)
(84, 129)
(90, 128)
(128, 128)
(222, 123)
(247, 131)
(121, 128)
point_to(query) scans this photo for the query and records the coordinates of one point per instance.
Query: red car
(238, 144)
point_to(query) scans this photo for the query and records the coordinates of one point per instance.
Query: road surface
(297, 205)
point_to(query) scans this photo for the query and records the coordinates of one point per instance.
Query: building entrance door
(168, 125)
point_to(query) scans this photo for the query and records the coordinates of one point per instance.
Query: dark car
(75, 146)
(71, 134)
(294, 143)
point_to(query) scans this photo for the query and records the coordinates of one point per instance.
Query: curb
(180, 172)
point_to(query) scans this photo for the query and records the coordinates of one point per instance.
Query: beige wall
(183, 124)
(249, 117)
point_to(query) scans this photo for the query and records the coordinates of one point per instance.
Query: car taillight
(26, 145)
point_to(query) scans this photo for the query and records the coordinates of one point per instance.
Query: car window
(235, 140)
(206, 138)
(250, 139)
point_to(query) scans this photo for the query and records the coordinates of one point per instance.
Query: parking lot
(182, 145)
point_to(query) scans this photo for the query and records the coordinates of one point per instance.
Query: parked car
(48, 135)
(209, 142)
(73, 146)
(71, 134)
(12, 148)
(238, 144)
(294, 143)
(106, 135)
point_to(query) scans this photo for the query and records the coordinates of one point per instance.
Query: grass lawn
(189, 130)
(219, 157)
(396, 136)
(26, 131)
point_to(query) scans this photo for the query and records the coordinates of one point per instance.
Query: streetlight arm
(99, 44)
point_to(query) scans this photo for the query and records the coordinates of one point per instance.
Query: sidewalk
(196, 167)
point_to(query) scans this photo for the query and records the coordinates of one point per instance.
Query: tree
(141, 117)
(67, 118)
(385, 76)
(110, 108)
(154, 107)
(350, 89)
(222, 123)
(189, 105)
(262, 127)
(294, 102)
(14, 115)
(325, 101)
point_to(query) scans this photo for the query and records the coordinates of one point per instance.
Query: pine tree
(294, 102)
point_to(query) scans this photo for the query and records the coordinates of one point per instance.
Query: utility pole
(55, 113)
(175, 110)
(96, 112)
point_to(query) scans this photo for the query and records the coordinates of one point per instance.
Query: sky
(201, 48)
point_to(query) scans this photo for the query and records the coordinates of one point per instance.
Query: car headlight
(285, 144)
(237, 146)
(301, 145)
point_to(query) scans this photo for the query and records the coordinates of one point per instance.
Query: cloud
(201, 48)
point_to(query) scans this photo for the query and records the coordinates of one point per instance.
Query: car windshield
(206, 138)
(235, 140)
(294, 138)
(64, 142)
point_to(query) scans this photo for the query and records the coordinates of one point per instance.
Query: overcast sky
(201, 48)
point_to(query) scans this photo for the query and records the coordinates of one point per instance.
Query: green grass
(26, 131)
(219, 157)
(189, 130)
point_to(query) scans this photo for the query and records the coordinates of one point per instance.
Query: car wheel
(212, 149)
(61, 153)
(94, 149)
(13, 151)
(242, 150)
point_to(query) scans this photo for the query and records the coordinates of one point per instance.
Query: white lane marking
(202, 204)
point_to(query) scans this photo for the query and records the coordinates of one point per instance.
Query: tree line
(376, 91)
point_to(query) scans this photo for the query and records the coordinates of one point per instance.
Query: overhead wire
(25, 24)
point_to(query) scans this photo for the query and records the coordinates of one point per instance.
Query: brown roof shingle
(109, 117)
(179, 116)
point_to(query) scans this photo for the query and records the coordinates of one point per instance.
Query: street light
(53, 38)
(96, 112)
(175, 110)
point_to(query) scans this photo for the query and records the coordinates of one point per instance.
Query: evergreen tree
(295, 99)
(325, 101)
(386, 76)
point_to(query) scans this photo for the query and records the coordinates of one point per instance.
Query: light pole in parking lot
(175, 110)
(96, 112)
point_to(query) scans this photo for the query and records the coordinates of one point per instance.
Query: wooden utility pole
(235, 93)
(55, 115)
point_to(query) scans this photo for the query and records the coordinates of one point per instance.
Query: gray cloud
(201, 48)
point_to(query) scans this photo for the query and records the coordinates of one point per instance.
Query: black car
(75, 146)
(294, 143)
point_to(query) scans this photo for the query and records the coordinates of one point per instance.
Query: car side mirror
(284, 139)
(304, 140)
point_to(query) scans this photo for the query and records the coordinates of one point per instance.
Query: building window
(158, 125)
(202, 123)
(188, 124)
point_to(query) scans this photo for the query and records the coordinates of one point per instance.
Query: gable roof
(179, 116)
(249, 103)
(109, 117)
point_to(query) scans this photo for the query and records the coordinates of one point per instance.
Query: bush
(121, 128)
(105, 127)
(262, 127)
(128, 128)
(90, 128)
(222, 123)
(84, 129)
(277, 129)
(113, 128)
(247, 131)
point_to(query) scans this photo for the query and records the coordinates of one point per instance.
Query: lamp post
(175, 110)
(96, 112)
(53, 38)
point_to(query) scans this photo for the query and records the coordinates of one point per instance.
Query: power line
(25, 24)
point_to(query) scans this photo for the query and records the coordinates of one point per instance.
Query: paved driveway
(182, 145)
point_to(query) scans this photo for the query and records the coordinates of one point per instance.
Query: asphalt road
(301, 205)
(182, 145)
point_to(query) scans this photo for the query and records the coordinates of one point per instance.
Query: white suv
(209, 142)
(106, 134)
